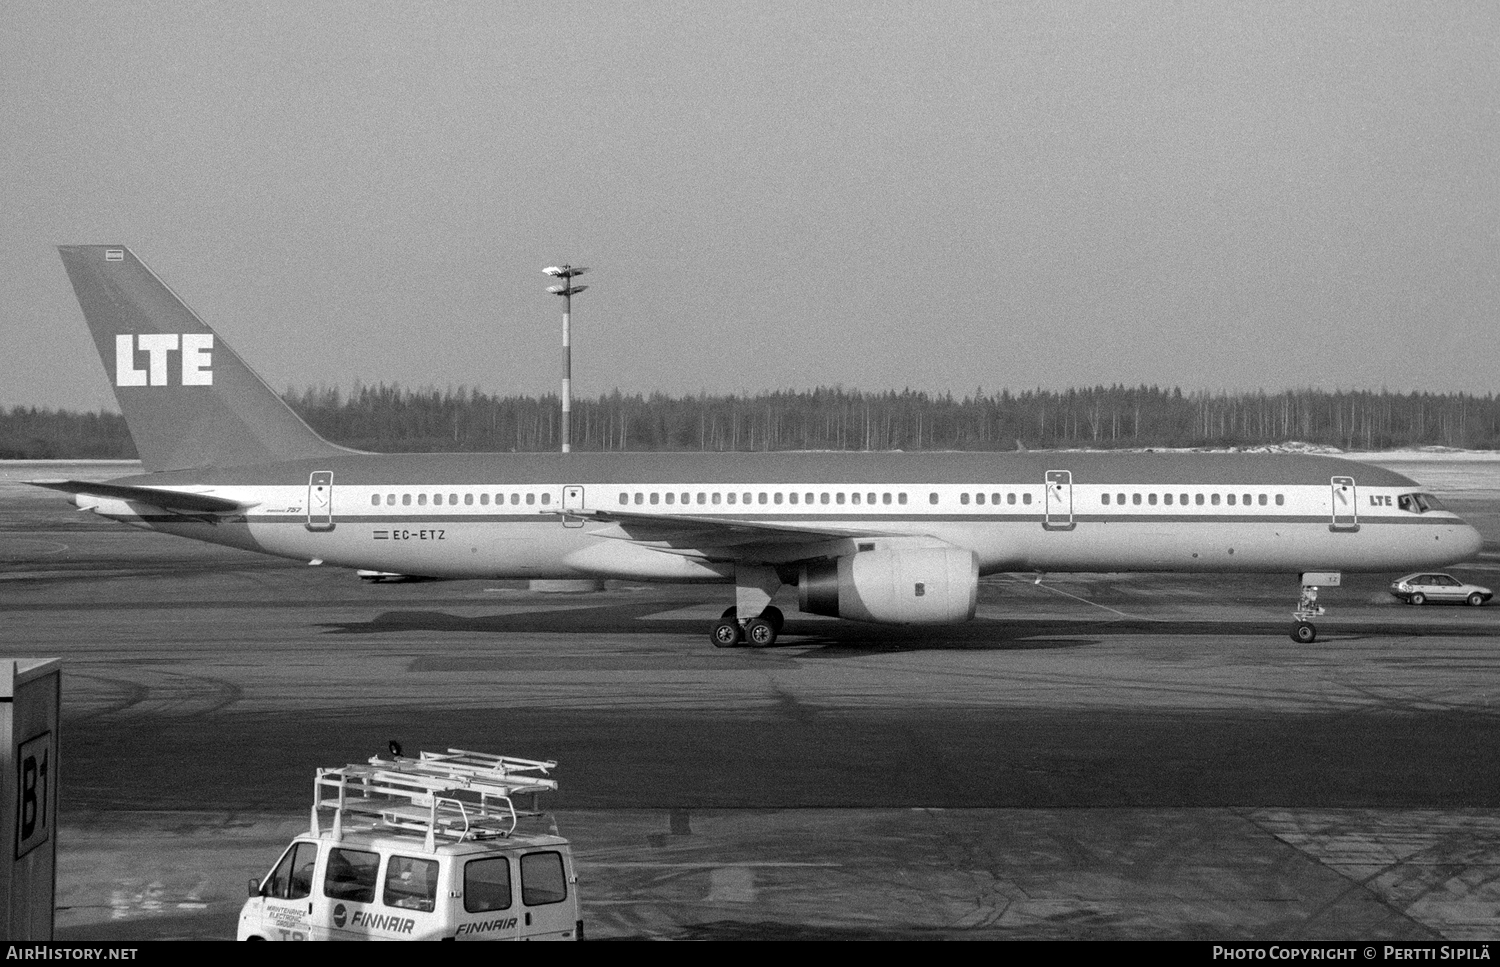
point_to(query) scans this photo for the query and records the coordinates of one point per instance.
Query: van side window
(351, 875)
(487, 885)
(411, 883)
(542, 879)
(293, 876)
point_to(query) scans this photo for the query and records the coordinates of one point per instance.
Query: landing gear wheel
(1476, 599)
(726, 634)
(760, 633)
(1304, 632)
(774, 615)
(1418, 598)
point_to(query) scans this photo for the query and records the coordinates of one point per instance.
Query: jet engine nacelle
(902, 586)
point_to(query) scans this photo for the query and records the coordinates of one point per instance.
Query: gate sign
(34, 793)
(30, 742)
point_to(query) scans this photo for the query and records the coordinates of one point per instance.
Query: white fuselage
(1171, 519)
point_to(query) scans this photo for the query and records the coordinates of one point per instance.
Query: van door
(489, 910)
(286, 895)
(344, 904)
(549, 911)
(320, 501)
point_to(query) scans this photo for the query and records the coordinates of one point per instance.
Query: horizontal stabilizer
(172, 500)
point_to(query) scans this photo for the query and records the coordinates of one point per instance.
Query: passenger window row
(1196, 500)
(735, 498)
(979, 498)
(468, 500)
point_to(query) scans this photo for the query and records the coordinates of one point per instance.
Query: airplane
(898, 538)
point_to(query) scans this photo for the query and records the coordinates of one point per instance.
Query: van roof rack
(456, 795)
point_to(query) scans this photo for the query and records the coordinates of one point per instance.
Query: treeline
(29, 433)
(392, 419)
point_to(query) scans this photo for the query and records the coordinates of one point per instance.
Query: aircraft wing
(721, 538)
(170, 500)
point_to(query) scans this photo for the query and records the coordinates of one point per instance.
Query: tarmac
(1096, 756)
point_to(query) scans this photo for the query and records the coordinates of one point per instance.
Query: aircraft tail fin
(188, 399)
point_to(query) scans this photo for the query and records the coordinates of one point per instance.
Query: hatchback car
(1422, 588)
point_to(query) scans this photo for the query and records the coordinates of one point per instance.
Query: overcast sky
(940, 196)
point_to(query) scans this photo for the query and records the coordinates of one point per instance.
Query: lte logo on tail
(195, 348)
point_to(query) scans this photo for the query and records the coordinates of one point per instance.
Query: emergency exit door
(320, 501)
(1059, 500)
(572, 501)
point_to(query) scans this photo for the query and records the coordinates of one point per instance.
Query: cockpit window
(1418, 503)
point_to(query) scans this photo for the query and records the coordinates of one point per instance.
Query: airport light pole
(567, 291)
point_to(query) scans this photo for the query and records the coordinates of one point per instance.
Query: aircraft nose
(1468, 542)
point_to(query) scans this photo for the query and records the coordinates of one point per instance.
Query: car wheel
(1476, 599)
(1418, 598)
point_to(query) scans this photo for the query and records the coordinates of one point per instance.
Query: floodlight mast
(566, 290)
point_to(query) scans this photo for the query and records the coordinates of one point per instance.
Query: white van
(420, 849)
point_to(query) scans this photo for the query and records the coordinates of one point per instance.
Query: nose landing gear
(1304, 632)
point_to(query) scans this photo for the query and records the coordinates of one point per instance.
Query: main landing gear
(754, 587)
(759, 632)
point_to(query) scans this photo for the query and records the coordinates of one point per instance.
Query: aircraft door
(572, 500)
(320, 501)
(1059, 501)
(1345, 515)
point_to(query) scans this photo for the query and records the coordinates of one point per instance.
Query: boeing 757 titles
(884, 537)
